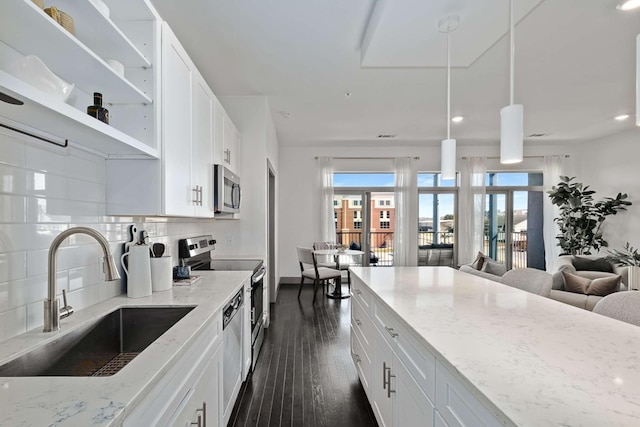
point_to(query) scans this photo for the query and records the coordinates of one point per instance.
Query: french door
(513, 228)
(364, 220)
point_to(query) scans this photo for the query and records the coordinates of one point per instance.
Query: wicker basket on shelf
(61, 18)
(39, 3)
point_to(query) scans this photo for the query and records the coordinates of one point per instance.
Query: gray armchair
(620, 305)
(567, 263)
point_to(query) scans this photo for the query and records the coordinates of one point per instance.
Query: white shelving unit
(80, 59)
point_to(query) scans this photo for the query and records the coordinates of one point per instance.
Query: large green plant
(581, 217)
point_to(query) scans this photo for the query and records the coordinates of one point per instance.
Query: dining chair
(339, 262)
(622, 305)
(320, 275)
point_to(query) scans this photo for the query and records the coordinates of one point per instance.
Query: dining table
(336, 254)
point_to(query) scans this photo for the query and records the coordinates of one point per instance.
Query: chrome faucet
(52, 311)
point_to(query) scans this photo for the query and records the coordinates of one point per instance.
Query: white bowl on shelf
(33, 71)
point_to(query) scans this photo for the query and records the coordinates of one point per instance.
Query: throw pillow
(477, 263)
(587, 264)
(600, 287)
(493, 267)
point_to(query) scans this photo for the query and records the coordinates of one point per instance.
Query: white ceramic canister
(138, 271)
(161, 274)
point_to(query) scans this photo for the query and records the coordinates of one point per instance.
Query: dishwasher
(232, 338)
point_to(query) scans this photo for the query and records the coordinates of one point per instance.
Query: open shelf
(67, 56)
(66, 122)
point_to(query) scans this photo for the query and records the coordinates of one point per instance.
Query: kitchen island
(107, 401)
(477, 352)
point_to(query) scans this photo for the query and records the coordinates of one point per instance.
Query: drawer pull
(199, 422)
(358, 322)
(358, 292)
(393, 333)
(357, 358)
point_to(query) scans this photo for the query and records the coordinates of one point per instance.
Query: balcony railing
(382, 245)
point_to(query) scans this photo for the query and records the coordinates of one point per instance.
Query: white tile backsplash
(43, 191)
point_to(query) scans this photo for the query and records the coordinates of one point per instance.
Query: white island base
(437, 347)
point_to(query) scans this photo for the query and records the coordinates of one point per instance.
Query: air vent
(385, 136)
(537, 135)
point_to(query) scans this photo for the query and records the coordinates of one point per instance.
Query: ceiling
(348, 71)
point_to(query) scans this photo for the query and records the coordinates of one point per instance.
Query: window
(381, 214)
(364, 179)
(381, 203)
(357, 203)
(434, 180)
(335, 215)
(385, 225)
(357, 225)
(335, 203)
(388, 202)
(355, 214)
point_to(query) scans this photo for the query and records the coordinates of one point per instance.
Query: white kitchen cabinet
(397, 373)
(196, 377)
(456, 404)
(227, 140)
(180, 184)
(201, 405)
(81, 60)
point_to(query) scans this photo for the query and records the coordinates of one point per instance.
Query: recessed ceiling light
(457, 119)
(285, 115)
(347, 94)
(628, 4)
(621, 117)
(386, 136)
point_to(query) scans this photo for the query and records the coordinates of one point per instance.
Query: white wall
(43, 191)
(610, 166)
(299, 201)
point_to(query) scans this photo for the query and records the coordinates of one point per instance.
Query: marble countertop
(533, 361)
(105, 401)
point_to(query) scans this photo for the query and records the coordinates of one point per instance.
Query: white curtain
(327, 224)
(471, 209)
(405, 236)
(552, 172)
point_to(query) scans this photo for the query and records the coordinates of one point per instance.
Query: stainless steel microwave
(226, 190)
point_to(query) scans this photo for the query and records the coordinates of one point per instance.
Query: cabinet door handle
(204, 414)
(358, 322)
(393, 333)
(199, 422)
(384, 374)
(195, 190)
(200, 195)
(358, 292)
(389, 391)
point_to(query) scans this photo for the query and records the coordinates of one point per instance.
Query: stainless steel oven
(226, 190)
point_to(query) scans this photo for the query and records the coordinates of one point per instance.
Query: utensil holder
(161, 274)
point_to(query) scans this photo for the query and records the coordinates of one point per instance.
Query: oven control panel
(193, 246)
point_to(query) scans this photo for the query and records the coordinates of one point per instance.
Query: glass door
(436, 228)
(496, 239)
(381, 228)
(350, 214)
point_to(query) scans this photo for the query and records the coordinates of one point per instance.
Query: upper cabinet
(127, 33)
(227, 140)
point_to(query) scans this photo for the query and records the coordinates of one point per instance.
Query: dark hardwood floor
(305, 375)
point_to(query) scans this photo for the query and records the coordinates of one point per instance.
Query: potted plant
(581, 217)
(629, 257)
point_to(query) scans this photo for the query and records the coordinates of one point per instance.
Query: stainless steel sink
(100, 349)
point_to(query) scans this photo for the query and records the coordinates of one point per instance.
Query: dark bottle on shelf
(97, 110)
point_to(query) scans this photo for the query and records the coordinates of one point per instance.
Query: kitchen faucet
(52, 311)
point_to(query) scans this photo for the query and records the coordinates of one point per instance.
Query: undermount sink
(99, 349)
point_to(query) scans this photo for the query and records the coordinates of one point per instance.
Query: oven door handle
(256, 279)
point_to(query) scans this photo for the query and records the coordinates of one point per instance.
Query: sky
(427, 180)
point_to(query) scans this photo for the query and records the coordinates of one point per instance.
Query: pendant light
(448, 146)
(511, 116)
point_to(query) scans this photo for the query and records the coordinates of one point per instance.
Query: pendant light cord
(513, 54)
(448, 84)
